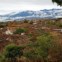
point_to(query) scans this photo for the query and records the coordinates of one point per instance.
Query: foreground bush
(12, 53)
(39, 50)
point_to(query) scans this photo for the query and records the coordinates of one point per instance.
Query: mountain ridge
(46, 13)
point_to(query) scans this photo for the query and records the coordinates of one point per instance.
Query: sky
(7, 6)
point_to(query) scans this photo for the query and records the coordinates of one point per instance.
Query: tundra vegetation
(42, 42)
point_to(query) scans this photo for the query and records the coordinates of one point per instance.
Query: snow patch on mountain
(46, 13)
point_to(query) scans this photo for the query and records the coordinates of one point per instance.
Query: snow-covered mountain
(51, 13)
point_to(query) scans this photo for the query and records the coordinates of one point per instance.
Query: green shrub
(20, 30)
(31, 22)
(40, 48)
(25, 21)
(12, 52)
(59, 24)
(50, 23)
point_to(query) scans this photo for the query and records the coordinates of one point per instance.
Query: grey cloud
(39, 2)
(25, 4)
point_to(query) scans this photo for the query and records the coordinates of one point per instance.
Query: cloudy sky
(14, 5)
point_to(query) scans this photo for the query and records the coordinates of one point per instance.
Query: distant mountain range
(46, 13)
